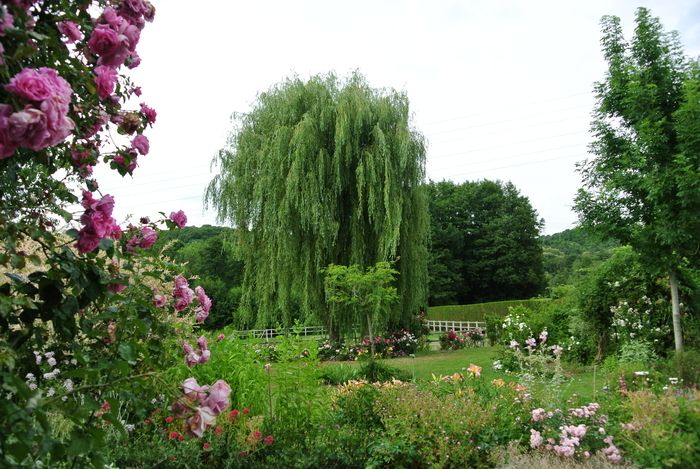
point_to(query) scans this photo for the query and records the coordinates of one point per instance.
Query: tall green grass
(477, 312)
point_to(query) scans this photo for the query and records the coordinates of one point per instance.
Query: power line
(520, 164)
(515, 119)
(500, 131)
(506, 107)
(520, 154)
(510, 144)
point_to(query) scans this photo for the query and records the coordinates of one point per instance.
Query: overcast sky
(500, 89)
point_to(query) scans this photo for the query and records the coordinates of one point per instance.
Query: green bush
(374, 371)
(478, 312)
(338, 374)
(663, 430)
(685, 366)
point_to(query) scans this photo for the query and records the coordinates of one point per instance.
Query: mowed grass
(425, 365)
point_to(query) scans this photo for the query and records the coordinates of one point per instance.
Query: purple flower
(514, 344)
(203, 299)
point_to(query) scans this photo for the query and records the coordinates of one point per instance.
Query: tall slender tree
(323, 172)
(643, 185)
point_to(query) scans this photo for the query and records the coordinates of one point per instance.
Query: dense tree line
(571, 254)
(484, 243)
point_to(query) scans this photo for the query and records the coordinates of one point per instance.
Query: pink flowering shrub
(579, 433)
(452, 340)
(91, 292)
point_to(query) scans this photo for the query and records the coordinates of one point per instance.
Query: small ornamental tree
(86, 320)
(356, 296)
(643, 185)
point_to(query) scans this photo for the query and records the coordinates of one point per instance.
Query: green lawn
(427, 364)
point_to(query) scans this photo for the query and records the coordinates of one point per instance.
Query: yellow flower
(474, 370)
(498, 382)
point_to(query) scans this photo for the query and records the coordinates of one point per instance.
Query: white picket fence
(435, 326)
(457, 326)
(268, 334)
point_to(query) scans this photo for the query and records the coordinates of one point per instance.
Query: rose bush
(87, 321)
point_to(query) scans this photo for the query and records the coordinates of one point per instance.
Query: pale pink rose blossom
(200, 420)
(193, 390)
(536, 439)
(141, 144)
(218, 397)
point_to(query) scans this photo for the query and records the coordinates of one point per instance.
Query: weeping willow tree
(323, 172)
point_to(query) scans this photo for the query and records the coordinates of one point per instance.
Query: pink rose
(202, 343)
(116, 287)
(181, 304)
(200, 315)
(179, 218)
(7, 20)
(70, 30)
(106, 80)
(193, 390)
(31, 85)
(87, 242)
(149, 113)
(159, 300)
(200, 420)
(217, 400)
(220, 337)
(203, 299)
(104, 40)
(7, 146)
(133, 61)
(148, 237)
(28, 128)
(141, 144)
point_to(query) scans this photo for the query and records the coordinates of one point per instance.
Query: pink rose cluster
(44, 120)
(201, 404)
(179, 218)
(117, 33)
(97, 222)
(570, 439)
(143, 237)
(193, 358)
(184, 296)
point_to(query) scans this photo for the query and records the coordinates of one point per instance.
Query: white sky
(500, 89)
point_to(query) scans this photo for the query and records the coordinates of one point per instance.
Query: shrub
(663, 429)
(451, 340)
(685, 366)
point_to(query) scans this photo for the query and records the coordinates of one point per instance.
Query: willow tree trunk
(676, 312)
(371, 336)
